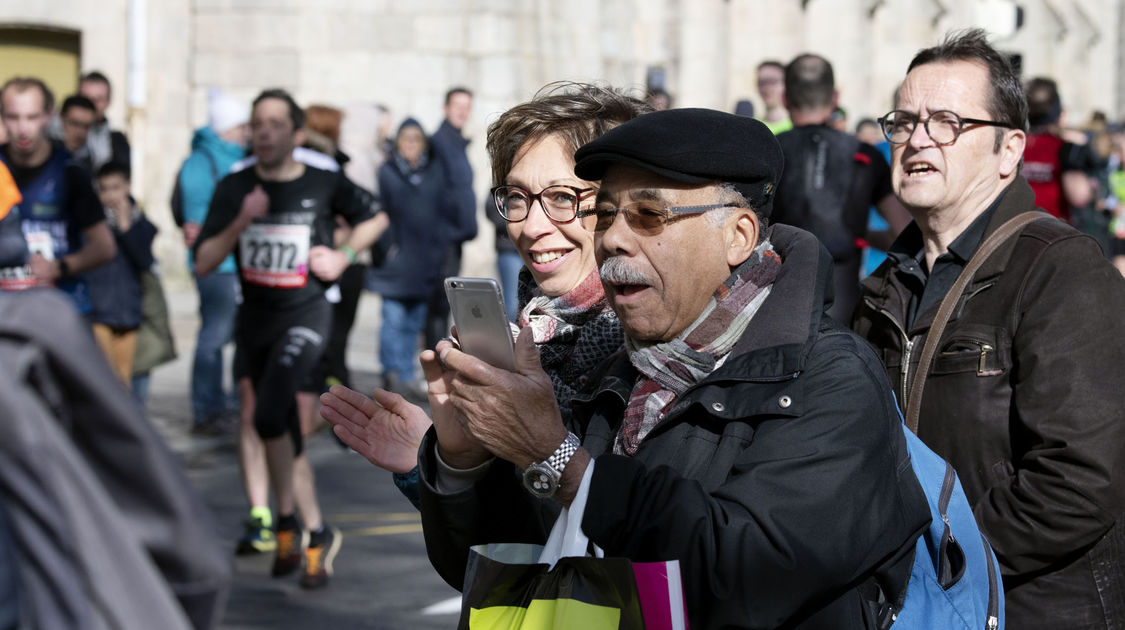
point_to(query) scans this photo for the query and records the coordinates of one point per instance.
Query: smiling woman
(561, 298)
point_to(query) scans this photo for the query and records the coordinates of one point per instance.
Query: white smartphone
(482, 323)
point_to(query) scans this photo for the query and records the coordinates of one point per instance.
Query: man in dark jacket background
(1022, 397)
(460, 224)
(831, 179)
(742, 431)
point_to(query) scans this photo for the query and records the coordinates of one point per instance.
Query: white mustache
(617, 271)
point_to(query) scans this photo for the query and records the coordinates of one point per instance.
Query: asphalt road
(382, 579)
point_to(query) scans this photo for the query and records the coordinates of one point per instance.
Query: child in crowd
(115, 289)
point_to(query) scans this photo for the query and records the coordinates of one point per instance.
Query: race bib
(275, 255)
(21, 278)
(40, 243)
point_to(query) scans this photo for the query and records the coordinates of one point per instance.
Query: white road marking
(451, 606)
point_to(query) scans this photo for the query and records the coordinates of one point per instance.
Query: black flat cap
(694, 146)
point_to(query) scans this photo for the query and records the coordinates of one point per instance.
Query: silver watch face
(541, 480)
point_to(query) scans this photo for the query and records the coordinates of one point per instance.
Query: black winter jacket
(418, 205)
(1024, 399)
(780, 482)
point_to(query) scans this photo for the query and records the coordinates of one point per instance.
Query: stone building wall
(406, 54)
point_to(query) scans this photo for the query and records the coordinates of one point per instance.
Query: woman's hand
(386, 430)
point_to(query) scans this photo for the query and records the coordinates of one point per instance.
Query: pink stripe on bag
(662, 595)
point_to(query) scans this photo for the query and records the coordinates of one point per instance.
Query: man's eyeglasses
(559, 202)
(943, 126)
(647, 220)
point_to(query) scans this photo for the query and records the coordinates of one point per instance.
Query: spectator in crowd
(728, 427)
(104, 144)
(531, 146)
(76, 117)
(322, 131)
(115, 289)
(412, 186)
(831, 179)
(460, 224)
(105, 529)
(1017, 397)
(771, 89)
(215, 148)
(1055, 168)
(868, 130)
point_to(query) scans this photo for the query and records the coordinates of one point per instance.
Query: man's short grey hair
(728, 193)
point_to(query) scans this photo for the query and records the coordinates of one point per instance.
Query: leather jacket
(1024, 400)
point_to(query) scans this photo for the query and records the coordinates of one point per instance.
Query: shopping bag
(559, 585)
(661, 592)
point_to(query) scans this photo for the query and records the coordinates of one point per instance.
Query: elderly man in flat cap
(740, 431)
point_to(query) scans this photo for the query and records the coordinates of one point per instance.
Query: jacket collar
(452, 134)
(884, 292)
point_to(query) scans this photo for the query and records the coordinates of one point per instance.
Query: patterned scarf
(669, 368)
(574, 332)
(414, 175)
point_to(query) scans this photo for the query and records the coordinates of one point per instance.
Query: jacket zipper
(993, 588)
(907, 348)
(985, 348)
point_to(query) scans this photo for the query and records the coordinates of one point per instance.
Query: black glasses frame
(580, 195)
(888, 118)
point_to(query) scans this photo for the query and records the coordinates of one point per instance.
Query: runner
(278, 218)
(62, 221)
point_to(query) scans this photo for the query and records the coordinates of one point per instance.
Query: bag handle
(949, 302)
(567, 538)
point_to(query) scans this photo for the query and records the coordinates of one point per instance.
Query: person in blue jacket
(214, 150)
(413, 187)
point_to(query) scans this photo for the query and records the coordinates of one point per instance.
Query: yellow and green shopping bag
(557, 585)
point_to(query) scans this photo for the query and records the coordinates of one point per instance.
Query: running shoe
(257, 535)
(319, 556)
(291, 544)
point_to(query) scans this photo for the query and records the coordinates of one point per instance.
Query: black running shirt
(272, 254)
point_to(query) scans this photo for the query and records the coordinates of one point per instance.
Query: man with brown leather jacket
(1021, 397)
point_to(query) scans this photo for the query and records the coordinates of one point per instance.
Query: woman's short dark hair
(1006, 103)
(576, 112)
